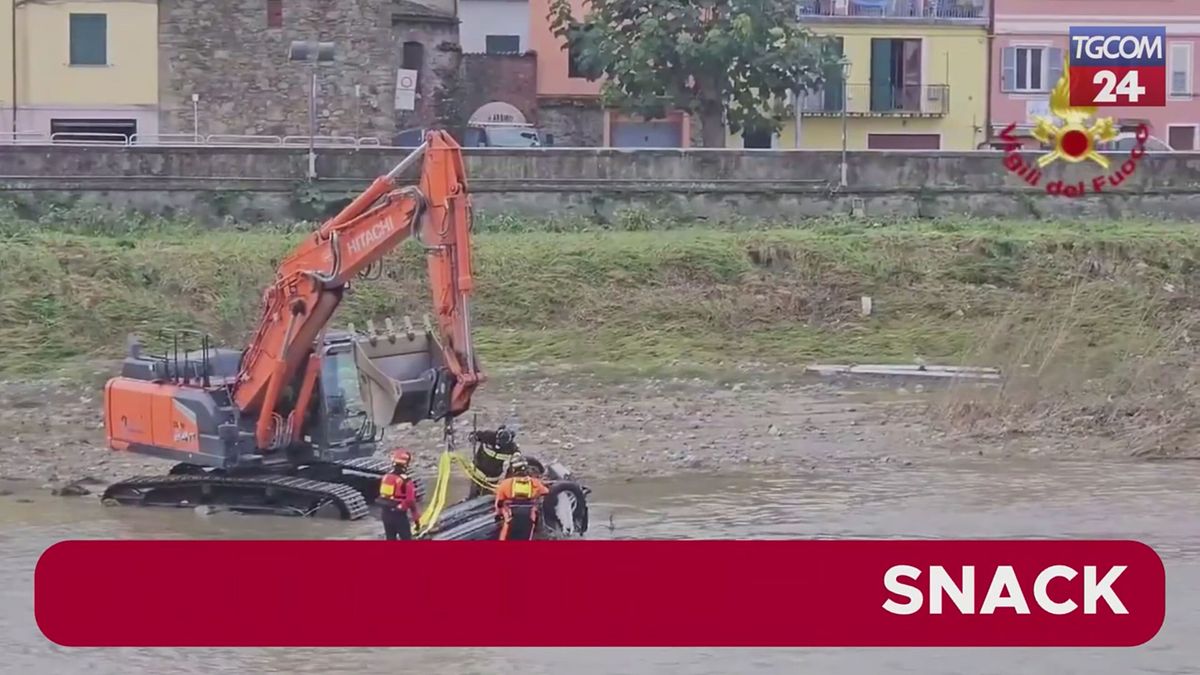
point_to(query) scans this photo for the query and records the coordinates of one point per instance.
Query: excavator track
(287, 495)
(373, 465)
(364, 474)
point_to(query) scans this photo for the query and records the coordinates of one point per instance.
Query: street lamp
(316, 53)
(845, 64)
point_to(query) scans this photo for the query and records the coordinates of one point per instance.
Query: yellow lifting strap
(438, 502)
(431, 514)
(474, 474)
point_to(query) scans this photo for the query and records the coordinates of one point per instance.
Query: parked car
(485, 136)
(1125, 141)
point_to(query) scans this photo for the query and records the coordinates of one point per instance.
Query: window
(1031, 69)
(1181, 70)
(574, 68)
(895, 74)
(412, 56)
(503, 44)
(1182, 137)
(274, 13)
(110, 131)
(831, 97)
(89, 39)
(757, 139)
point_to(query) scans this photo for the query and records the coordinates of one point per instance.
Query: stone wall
(574, 122)
(228, 54)
(440, 63)
(511, 78)
(268, 183)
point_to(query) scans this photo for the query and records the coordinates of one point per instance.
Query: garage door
(656, 134)
(904, 142)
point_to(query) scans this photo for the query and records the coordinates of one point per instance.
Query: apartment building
(1030, 46)
(914, 78)
(87, 69)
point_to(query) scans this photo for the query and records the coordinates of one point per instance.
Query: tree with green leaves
(731, 63)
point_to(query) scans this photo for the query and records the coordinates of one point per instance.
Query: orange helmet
(402, 457)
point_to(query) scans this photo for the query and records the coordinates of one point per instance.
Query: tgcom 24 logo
(1105, 67)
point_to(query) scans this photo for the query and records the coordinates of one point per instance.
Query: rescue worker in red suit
(518, 501)
(398, 499)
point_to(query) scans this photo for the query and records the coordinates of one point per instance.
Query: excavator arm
(310, 283)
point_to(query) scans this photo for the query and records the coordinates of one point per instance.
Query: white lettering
(1005, 580)
(1113, 47)
(1128, 87)
(374, 234)
(1093, 590)
(891, 581)
(1040, 585)
(1004, 590)
(1152, 49)
(1108, 81)
(940, 583)
(1080, 41)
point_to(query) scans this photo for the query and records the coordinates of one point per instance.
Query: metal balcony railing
(912, 10)
(186, 140)
(878, 100)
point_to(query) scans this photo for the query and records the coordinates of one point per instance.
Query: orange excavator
(291, 424)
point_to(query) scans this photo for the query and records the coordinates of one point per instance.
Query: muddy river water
(963, 497)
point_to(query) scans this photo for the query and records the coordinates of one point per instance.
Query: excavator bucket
(401, 376)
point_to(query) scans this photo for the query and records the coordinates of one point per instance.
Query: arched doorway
(497, 112)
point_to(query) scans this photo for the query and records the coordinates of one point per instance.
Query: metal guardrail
(21, 138)
(186, 140)
(242, 139)
(913, 10)
(89, 138)
(166, 139)
(322, 141)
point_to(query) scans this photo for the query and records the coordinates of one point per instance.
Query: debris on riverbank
(919, 371)
(599, 428)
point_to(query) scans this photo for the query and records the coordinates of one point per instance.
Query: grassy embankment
(1095, 320)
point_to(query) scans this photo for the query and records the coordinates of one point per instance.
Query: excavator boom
(310, 284)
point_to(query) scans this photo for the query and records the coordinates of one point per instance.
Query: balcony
(878, 100)
(917, 11)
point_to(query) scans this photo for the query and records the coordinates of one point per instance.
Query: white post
(799, 126)
(845, 102)
(312, 124)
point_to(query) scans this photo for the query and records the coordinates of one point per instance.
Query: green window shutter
(882, 87)
(834, 86)
(89, 39)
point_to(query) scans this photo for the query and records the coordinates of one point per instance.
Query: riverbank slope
(1093, 326)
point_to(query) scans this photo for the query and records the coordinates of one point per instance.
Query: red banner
(600, 593)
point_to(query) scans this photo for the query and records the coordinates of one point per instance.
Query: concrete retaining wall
(269, 183)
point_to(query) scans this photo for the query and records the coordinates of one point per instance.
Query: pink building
(568, 103)
(1031, 41)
